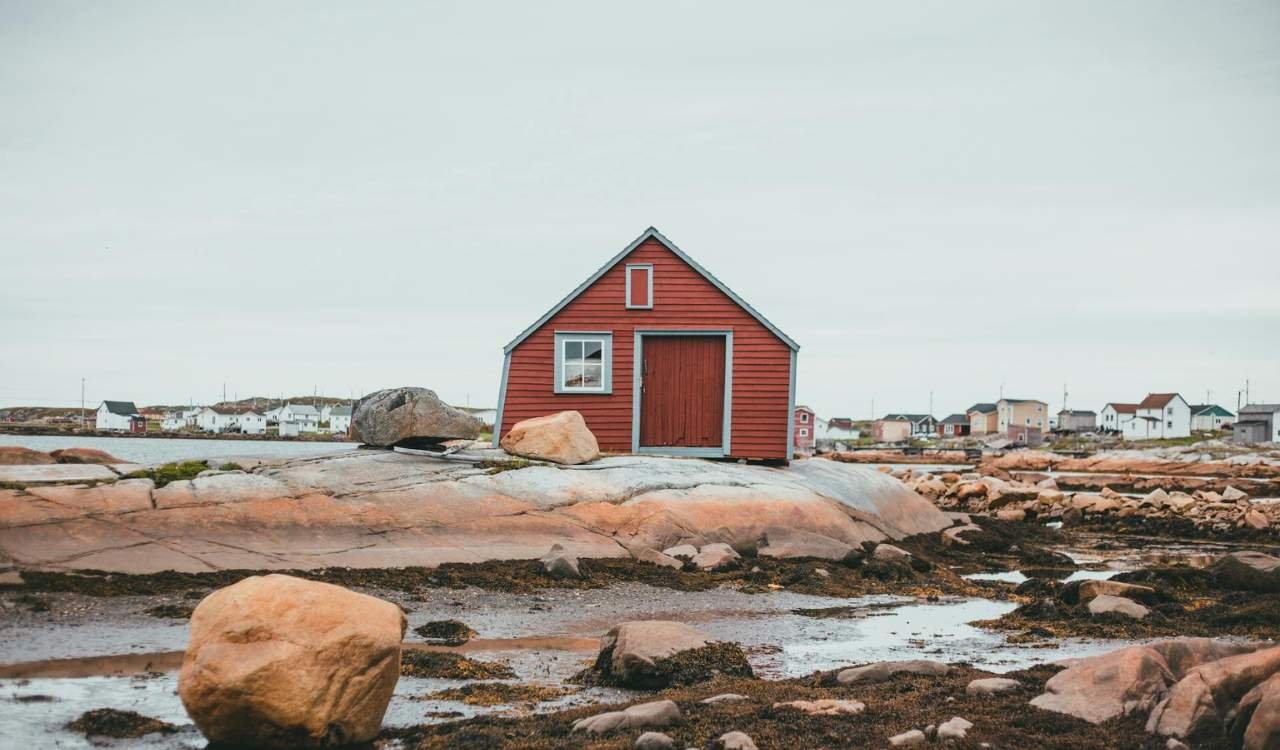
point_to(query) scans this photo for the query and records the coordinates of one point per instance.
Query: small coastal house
(982, 419)
(806, 424)
(340, 419)
(658, 356)
(1159, 415)
(1022, 420)
(119, 416)
(956, 425)
(1077, 420)
(273, 415)
(1210, 417)
(305, 416)
(1257, 423)
(221, 418)
(897, 427)
(1114, 415)
(838, 428)
(173, 421)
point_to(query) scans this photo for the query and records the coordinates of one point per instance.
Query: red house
(659, 357)
(805, 424)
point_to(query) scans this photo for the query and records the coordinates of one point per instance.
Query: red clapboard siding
(682, 299)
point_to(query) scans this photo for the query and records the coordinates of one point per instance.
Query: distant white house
(273, 415)
(339, 419)
(120, 416)
(219, 419)
(1114, 415)
(173, 421)
(1159, 415)
(304, 416)
(1210, 417)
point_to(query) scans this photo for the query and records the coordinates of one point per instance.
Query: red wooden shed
(659, 357)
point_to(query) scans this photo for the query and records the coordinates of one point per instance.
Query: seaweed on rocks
(448, 665)
(894, 706)
(447, 632)
(111, 722)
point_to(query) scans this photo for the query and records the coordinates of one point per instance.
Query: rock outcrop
(367, 508)
(16, 455)
(394, 415)
(881, 671)
(561, 438)
(1129, 680)
(280, 662)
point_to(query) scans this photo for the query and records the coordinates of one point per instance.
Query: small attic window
(640, 286)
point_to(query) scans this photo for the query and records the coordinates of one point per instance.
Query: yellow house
(1022, 419)
(982, 419)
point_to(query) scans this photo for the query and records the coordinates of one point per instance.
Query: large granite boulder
(393, 415)
(1102, 687)
(1257, 717)
(1205, 694)
(561, 438)
(630, 651)
(280, 662)
(1247, 571)
(785, 542)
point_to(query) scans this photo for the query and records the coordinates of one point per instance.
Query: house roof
(121, 408)
(1077, 413)
(956, 419)
(981, 409)
(1212, 410)
(802, 407)
(1260, 409)
(841, 423)
(1021, 401)
(1157, 400)
(340, 411)
(899, 417)
(303, 409)
(1123, 408)
(648, 234)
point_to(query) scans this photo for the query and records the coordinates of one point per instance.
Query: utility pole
(224, 391)
(931, 403)
(1064, 398)
(1002, 390)
(1246, 391)
(873, 409)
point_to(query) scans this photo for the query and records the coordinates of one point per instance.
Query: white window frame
(804, 432)
(606, 357)
(804, 417)
(649, 268)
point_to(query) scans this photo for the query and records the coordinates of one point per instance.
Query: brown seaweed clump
(499, 694)
(447, 632)
(451, 666)
(111, 722)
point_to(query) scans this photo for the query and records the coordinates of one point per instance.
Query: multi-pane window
(583, 362)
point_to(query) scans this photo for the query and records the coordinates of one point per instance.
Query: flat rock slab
(375, 508)
(48, 473)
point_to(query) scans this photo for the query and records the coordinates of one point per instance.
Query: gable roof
(648, 234)
(305, 410)
(122, 408)
(956, 419)
(981, 409)
(802, 407)
(1210, 409)
(1157, 400)
(1077, 413)
(841, 423)
(899, 417)
(340, 411)
(1122, 408)
(1022, 401)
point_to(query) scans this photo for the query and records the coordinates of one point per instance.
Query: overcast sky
(943, 196)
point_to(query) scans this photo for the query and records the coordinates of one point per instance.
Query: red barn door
(682, 392)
